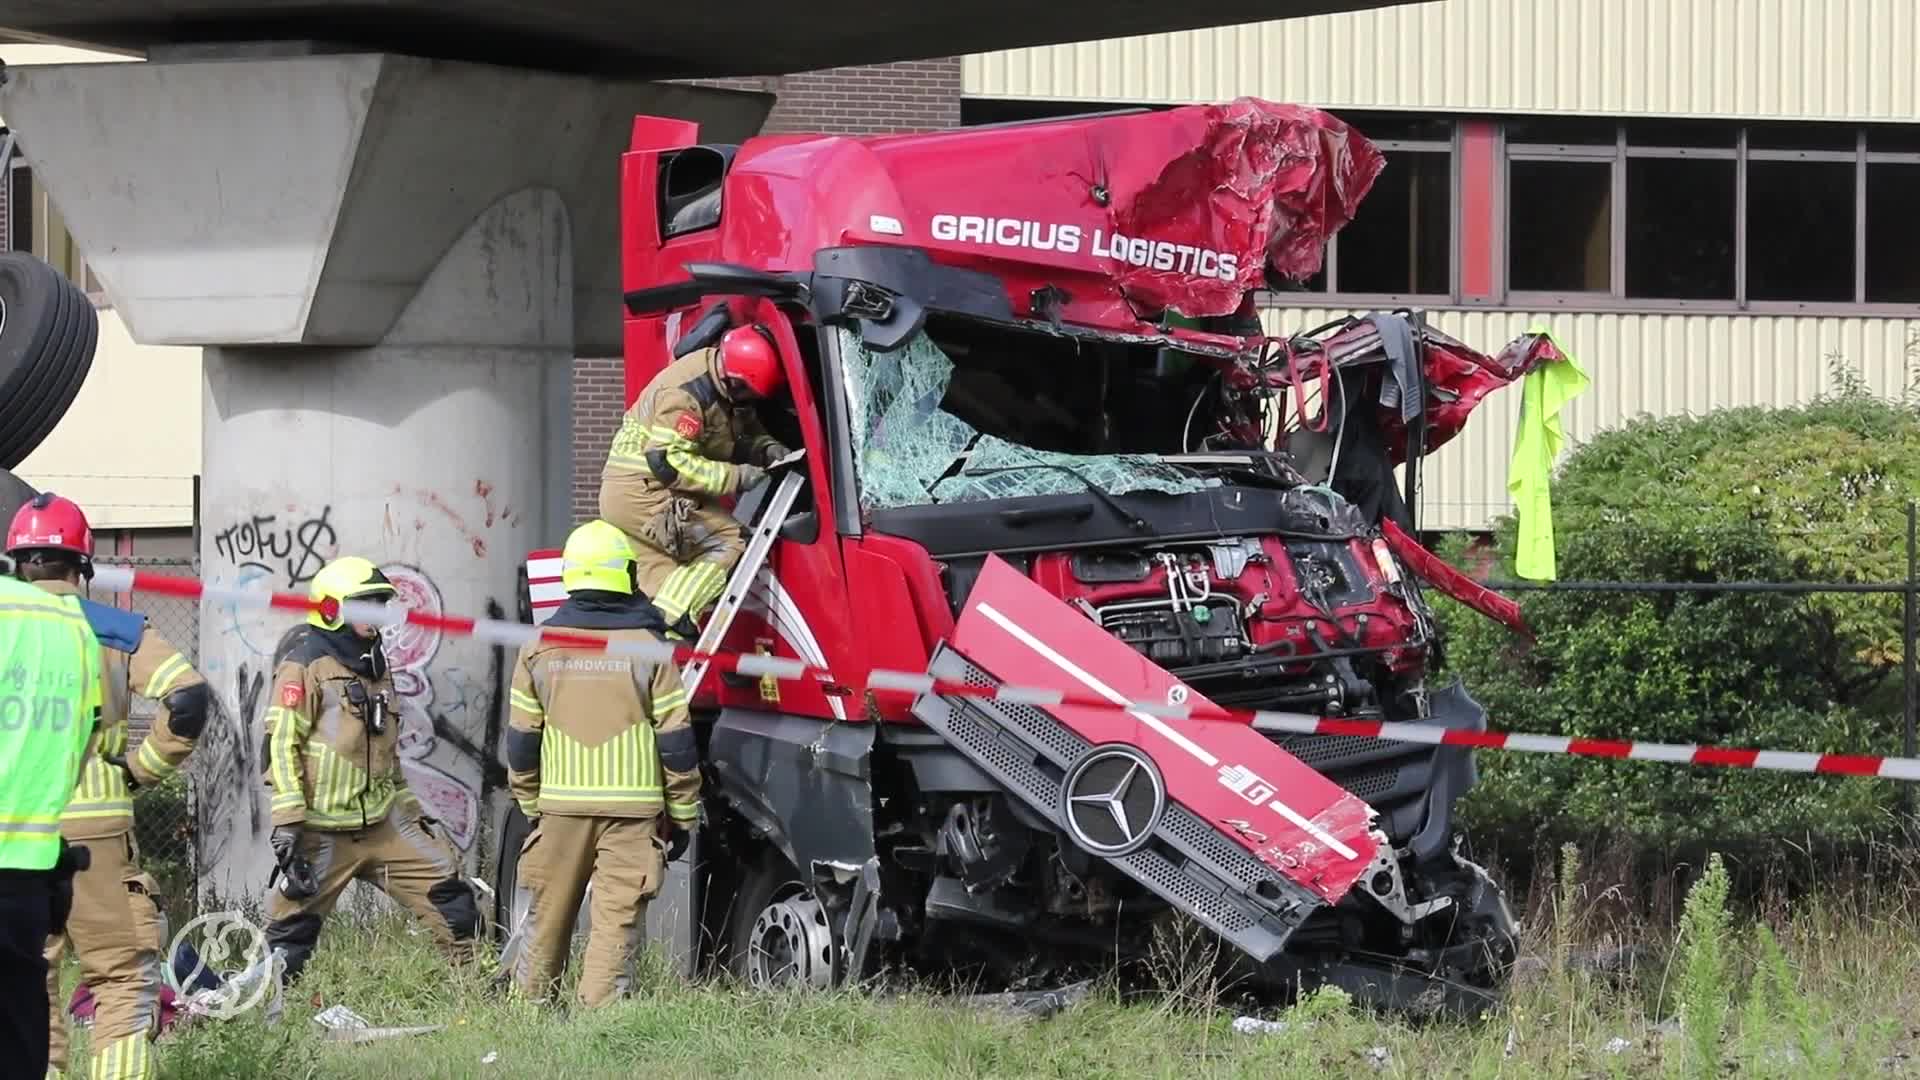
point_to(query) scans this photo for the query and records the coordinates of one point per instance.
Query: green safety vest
(49, 696)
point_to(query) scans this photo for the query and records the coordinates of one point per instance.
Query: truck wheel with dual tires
(48, 332)
(779, 936)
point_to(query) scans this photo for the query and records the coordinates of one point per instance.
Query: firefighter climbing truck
(1049, 443)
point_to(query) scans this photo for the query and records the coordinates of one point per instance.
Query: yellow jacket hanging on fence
(1545, 392)
(135, 659)
(599, 735)
(332, 728)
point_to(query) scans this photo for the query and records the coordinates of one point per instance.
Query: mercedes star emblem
(1113, 798)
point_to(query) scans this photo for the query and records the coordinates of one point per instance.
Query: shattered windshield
(909, 451)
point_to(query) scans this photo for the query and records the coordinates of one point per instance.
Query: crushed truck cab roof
(1108, 222)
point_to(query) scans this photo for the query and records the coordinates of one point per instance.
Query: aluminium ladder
(734, 597)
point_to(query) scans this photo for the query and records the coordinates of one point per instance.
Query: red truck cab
(1051, 443)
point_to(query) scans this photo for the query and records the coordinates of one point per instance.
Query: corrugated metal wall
(1641, 364)
(1811, 59)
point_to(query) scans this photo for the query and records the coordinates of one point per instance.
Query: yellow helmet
(343, 579)
(597, 556)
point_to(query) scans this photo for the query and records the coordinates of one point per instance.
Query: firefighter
(691, 437)
(341, 807)
(601, 758)
(50, 667)
(114, 929)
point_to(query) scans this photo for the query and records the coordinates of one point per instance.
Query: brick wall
(599, 397)
(913, 95)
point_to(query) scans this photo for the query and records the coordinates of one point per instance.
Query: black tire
(14, 493)
(48, 333)
(506, 868)
(768, 877)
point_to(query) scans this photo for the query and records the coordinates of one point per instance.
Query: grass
(1827, 987)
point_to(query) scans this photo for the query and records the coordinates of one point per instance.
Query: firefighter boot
(400, 857)
(624, 860)
(114, 930)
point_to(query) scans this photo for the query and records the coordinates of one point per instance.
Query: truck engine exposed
(1050, 443)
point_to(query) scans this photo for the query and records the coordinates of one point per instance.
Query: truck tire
(778, 936)
(48, 333)
(506, 869)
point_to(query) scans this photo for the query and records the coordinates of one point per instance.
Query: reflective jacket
(327, 767)
(49, 692)
(135, 659)
(685, 434)
(593, 734)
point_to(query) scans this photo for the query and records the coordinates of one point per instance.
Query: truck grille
(1188, 862)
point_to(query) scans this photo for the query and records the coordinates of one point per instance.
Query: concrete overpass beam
(392, 264)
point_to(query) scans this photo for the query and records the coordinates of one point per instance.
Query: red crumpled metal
(1437, 572)
(1268, 182)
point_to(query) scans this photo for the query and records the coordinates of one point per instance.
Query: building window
(1400, 241)
(1697, 213)
(1893, 271)
(1560, 225)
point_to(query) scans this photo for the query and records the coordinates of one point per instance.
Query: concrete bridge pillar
(392, 263)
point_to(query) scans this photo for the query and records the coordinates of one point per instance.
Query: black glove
(750, 476)
(133, 782)
(285, 840)
(773, 452)
(677, 841)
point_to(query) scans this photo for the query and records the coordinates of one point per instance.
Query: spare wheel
(48, 332)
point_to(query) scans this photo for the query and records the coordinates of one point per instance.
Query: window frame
(1615, 298)
(1332, 297)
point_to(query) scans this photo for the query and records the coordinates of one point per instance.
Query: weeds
(1821, 987)
(1704, 976)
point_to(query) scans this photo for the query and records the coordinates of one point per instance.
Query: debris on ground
(345, 1025)
(1032, 1004)
(1618, 1045)
(1253, 1025)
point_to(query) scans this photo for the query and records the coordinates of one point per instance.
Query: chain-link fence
(163, 816)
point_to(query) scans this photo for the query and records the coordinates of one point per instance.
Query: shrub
(1812, 493)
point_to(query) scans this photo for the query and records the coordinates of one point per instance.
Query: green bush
(1814, 493)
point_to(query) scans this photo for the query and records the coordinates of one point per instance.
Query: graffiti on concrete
(252, 629)
(227, 764)
(410, 650)
(431, 504)
(292, 551)
(449, 701)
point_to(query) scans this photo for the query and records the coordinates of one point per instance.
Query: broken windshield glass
(911, 452)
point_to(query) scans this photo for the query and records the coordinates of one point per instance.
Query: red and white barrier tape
(514, 634)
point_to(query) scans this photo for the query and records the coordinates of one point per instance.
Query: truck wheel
(48, 331)
(779, 935)
(506, 870)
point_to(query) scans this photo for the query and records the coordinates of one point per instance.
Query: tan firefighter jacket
(102, 804)
(685, 434)
(598, 735)
(327, 768)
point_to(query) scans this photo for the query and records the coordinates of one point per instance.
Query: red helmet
(48, 522)
(746, 353)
